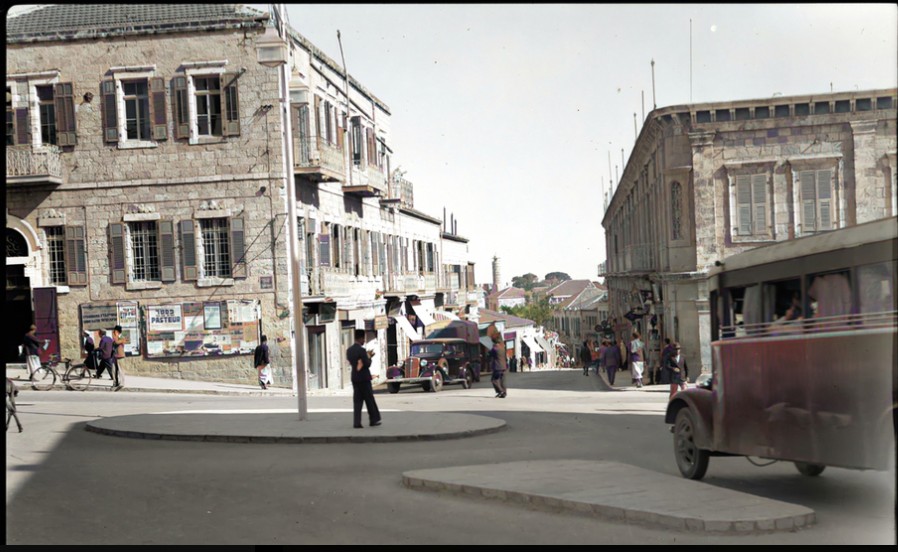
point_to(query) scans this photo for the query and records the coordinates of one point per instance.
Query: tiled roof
(487, 315)
(69, 21)
(509, 293)
(570, 288)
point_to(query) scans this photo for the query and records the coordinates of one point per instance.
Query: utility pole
(348, 109)
(287, 141)
(635, 134)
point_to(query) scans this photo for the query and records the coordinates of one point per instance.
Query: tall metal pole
(299, 368)
(635, 134)
(654, 104)
(346, 93)
(690, 61)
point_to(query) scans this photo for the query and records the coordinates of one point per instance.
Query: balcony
(372, 183)
(27, 165)
(318, 160)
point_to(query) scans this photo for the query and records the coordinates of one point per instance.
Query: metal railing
(25, 161)
(376, 177)
(814, 325)
(317, 152)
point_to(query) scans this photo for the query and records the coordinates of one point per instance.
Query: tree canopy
(540, 312)
(557, 276)
(525, 282)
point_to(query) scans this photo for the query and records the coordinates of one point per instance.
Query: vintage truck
(449, 354)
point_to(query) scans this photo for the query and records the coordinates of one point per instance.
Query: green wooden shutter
(188, 251)
(65, 114)
(180, 112)
(117, 252)
(808, 201)
(158, 112)
(75, 259)
(166, 231)
(23, 127)
(238, 248)
(824, 200)
(324, 250)
(110, 112)
(759, 203)
(230, 105)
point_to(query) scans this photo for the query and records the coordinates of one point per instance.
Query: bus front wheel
(691, 460)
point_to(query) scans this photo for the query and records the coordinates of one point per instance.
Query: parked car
(450, 354)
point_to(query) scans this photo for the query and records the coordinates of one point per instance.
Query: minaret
(496, 275)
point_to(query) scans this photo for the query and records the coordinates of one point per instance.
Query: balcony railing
(26, 165)
(314, 156)
(376, 178)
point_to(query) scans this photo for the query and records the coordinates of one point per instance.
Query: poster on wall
(105, 316)
(203, 329)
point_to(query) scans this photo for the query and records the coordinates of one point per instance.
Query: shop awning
(425, 309)
(486, 342)
(534, 348)
(545, 344)
(406, 327)
(444, 315)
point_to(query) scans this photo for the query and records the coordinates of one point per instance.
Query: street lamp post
(272, 52)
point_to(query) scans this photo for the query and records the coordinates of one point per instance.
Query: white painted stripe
(265, 411)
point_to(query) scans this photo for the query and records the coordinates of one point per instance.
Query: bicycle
(45, 377)
(78, 376)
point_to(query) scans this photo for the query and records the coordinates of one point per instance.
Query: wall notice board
(202, 329)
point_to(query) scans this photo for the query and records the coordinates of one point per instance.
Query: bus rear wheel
(811, 470)
(691, 460)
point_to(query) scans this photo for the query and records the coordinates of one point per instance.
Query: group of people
(104, 356)
(615, 356)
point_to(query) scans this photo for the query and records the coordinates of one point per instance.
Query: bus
(803, 342)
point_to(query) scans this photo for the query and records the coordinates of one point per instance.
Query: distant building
(509, 297)
(706, 181)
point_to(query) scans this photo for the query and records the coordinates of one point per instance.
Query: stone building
(710, 180)
(146, 187)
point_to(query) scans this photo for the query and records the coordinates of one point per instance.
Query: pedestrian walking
(89, 349)
(262, 361)
(611, 358)
(598, 360)
(637, 350)
(624, 354)
(497, 372)
(362, 392)
(11, 394)
(106, 349)
(32, 348)
(668, 348)
(585, 357)
(679, 370)
(118, 342)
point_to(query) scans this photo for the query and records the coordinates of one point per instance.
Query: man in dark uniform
(359, 363)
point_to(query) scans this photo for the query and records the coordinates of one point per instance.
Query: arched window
(676, 211)
(16, 245)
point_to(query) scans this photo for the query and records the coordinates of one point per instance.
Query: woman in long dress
(637, 355)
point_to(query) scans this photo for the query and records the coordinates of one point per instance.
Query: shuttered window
(110, 111)
(158, 112)
(230, 107)
(817, 200)
(10, 119)
(65, 114)
(752, 205)
(357, 140)
(75, 256)
(47, 108)
(324, 250)
(145, 252)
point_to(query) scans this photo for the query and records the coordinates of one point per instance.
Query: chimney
(451, 222)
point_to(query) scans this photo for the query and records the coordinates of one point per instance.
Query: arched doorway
(18, 313)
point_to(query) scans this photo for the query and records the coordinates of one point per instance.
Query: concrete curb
(275, 428)
(26, 386)
(640, 506)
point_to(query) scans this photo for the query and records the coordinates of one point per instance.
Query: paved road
(66, 485)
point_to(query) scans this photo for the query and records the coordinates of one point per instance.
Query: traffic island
(617, 492)
(280, 427)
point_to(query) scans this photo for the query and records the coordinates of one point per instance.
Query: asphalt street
(68, 486)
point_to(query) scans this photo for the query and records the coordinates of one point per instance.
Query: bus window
(751, 311)
(829, 294)
(875, 283)
(782, 305)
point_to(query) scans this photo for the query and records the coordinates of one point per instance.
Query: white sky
(505, 114)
